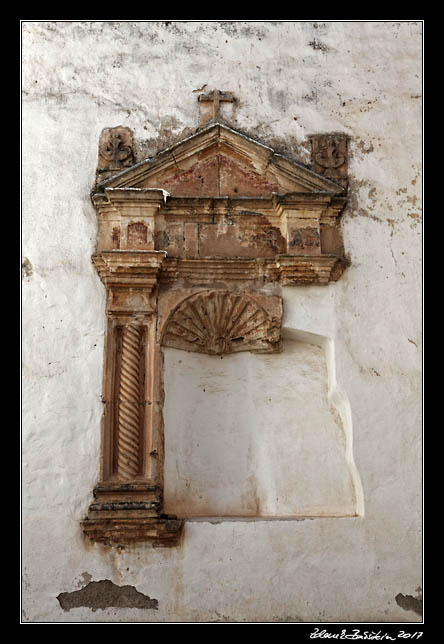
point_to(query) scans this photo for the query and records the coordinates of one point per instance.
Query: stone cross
(216, 97)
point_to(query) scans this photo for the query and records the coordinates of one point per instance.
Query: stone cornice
(144, 269)
(127, 267)
(284, 269)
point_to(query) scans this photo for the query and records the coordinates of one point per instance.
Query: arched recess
(258, 436)
(219, 321)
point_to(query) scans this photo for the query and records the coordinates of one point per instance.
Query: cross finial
(216, 97)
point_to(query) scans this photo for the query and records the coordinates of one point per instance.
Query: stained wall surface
(291, 80)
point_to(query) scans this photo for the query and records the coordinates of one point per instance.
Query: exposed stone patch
(365, 146)
(238, 29)
(105, 594)
(26, 268)
(86, 578)
(407, 602)
(169, 133)
(317, 44)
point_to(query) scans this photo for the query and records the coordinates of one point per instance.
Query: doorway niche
(194, 246)
(255, 436)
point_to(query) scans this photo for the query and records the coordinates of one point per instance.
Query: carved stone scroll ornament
(115, 150)
(193, 248)
(330, 156)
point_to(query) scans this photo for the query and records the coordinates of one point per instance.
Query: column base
(161, 532)
(124, 514)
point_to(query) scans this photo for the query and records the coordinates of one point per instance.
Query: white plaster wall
(291, 79)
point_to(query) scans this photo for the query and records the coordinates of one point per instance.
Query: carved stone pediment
(220, 195)
(193, 247)
(219, 161)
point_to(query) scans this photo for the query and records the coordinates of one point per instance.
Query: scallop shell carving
(220, 322)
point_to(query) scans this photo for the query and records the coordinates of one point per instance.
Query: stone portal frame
(198, 272)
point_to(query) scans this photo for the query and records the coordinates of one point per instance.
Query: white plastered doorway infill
(252, 436)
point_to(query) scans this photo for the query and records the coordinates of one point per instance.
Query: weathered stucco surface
(291, 80)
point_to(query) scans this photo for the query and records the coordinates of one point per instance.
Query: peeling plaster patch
(415, 216)
(310, 97)
(169, 132)
(26, 268)
(352, 208)
(105, 594)
(86, 578)
(317, 44)
(407, 602)
(404, 202)
(241, 29)
(365, 147)
(319, 25)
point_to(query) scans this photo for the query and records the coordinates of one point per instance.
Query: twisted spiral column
(128, 435)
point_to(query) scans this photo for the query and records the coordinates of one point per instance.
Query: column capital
(130, 276)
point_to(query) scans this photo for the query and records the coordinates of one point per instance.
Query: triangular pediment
(219, 161)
